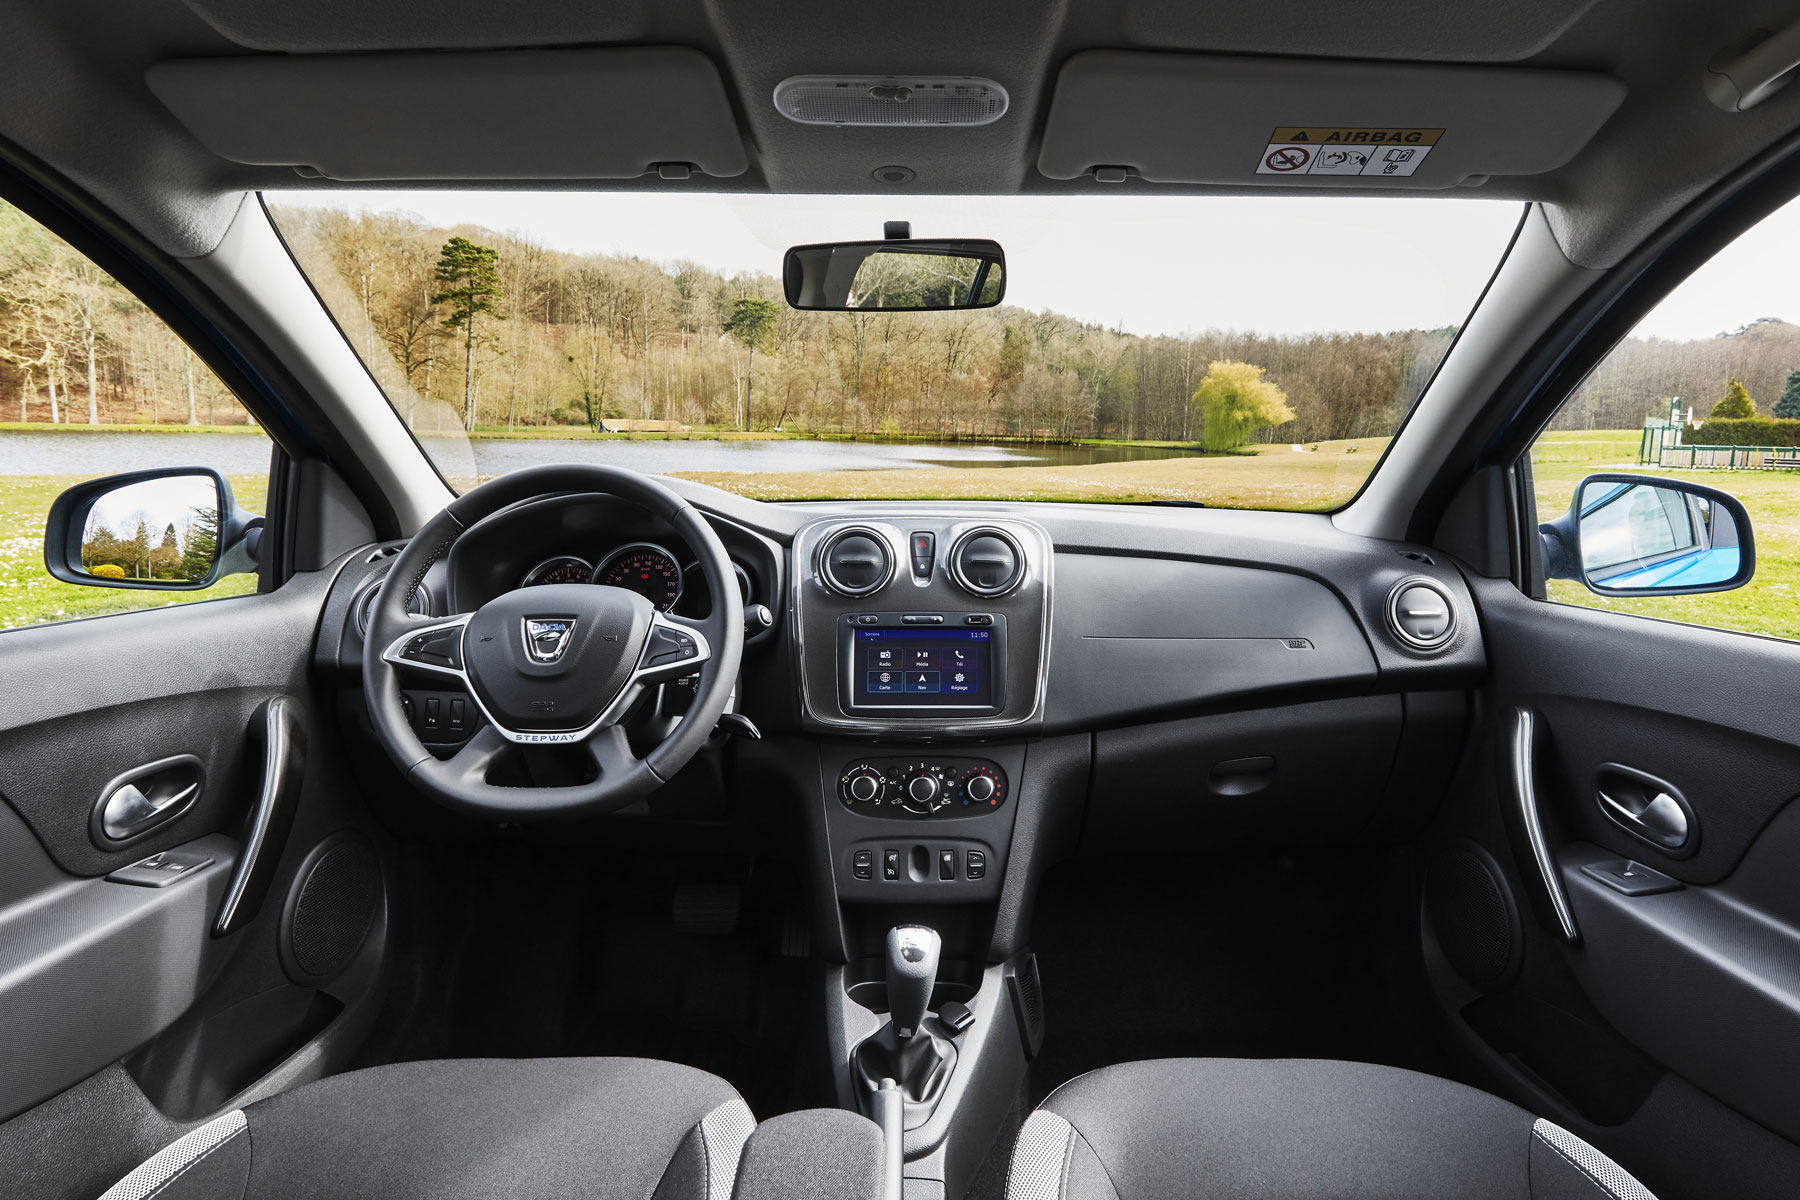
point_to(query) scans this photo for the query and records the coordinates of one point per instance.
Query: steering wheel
(559, 664)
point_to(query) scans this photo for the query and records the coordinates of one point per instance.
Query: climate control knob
(923, 789)
(980, 788)
(865, 787)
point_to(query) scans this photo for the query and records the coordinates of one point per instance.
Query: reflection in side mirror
(1631, 535)
(168, 530)
(161, 530)
(895, 276)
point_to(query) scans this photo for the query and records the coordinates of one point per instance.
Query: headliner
(73, 91)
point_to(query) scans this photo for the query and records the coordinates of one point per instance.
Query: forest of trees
(471, 327)
(576, 339)
(77, 348)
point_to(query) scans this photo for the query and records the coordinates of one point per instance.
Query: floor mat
(536, 952)
(1223, 956)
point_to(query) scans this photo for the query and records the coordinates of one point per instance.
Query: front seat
(1296, 1129)
(597, 1128)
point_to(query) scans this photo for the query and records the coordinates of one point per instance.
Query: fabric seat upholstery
(597, 1128)
(1297, 1129)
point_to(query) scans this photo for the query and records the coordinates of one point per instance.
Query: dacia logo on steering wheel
(547, 638)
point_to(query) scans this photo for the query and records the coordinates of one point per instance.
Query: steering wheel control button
(670, 645)
(438, 648)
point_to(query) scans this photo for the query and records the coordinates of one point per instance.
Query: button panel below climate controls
(921, 787)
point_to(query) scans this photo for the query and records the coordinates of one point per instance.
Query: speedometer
(646, 569)
(565, 568)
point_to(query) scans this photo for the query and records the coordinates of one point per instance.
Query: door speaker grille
(332, 905)
(1474, 916)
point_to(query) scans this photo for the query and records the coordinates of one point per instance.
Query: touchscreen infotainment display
(923, 668)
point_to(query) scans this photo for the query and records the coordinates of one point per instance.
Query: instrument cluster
(647, 568)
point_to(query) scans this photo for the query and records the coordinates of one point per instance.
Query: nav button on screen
(923, 681)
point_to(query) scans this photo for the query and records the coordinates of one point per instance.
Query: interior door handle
(1645, 805)
(129, 812)
(144, 799)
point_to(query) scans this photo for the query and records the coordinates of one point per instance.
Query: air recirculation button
(1421, 614)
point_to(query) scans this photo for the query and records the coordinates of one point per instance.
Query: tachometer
(564, 568)
(646, 569)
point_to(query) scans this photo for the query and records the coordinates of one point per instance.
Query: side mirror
(174, 529)
(1637, 535)
(897, 275)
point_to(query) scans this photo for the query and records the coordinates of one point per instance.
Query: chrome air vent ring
(856, 561)
(1421, 613)
(987, 561)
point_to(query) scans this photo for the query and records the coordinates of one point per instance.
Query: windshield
(1244, 353)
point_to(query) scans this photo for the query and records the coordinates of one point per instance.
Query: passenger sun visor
(1216, 119)
(525, 114)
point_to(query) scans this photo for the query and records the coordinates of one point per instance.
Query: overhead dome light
(890, 100)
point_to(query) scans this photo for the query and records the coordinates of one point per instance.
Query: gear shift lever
(912, 964)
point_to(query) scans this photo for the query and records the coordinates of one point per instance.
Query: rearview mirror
(898, 275)
(1633, 535)
(170, 529)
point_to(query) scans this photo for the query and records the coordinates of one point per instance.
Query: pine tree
(471, 286)
(752, 323)
(1736, 404)
(1789, 404)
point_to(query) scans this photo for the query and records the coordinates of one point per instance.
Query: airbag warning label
(1311, 150)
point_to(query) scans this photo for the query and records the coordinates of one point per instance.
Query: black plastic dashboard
(1125, 614)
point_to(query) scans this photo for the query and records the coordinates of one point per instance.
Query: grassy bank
(29, 596)
(578, 433)
(1310, 478)
(46, 427)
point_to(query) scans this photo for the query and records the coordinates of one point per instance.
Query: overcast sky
(1150, 265)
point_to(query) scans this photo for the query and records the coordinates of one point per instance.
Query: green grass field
(1768, 604)
(1321, 475)
(28, 596)
(1317, 478)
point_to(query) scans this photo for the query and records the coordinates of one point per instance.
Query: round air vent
(856, 561)
(1421, 613)
(988, 562)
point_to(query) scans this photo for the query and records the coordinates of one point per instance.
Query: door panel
(136, 1010)
(1668, 1012)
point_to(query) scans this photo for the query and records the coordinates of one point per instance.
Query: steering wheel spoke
(611, 752)
(472, 762)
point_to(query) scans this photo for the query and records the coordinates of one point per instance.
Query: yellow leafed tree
(1235, 401)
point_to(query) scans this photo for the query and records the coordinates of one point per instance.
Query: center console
(922, 640)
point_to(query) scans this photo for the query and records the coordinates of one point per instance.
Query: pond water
(237, 454)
